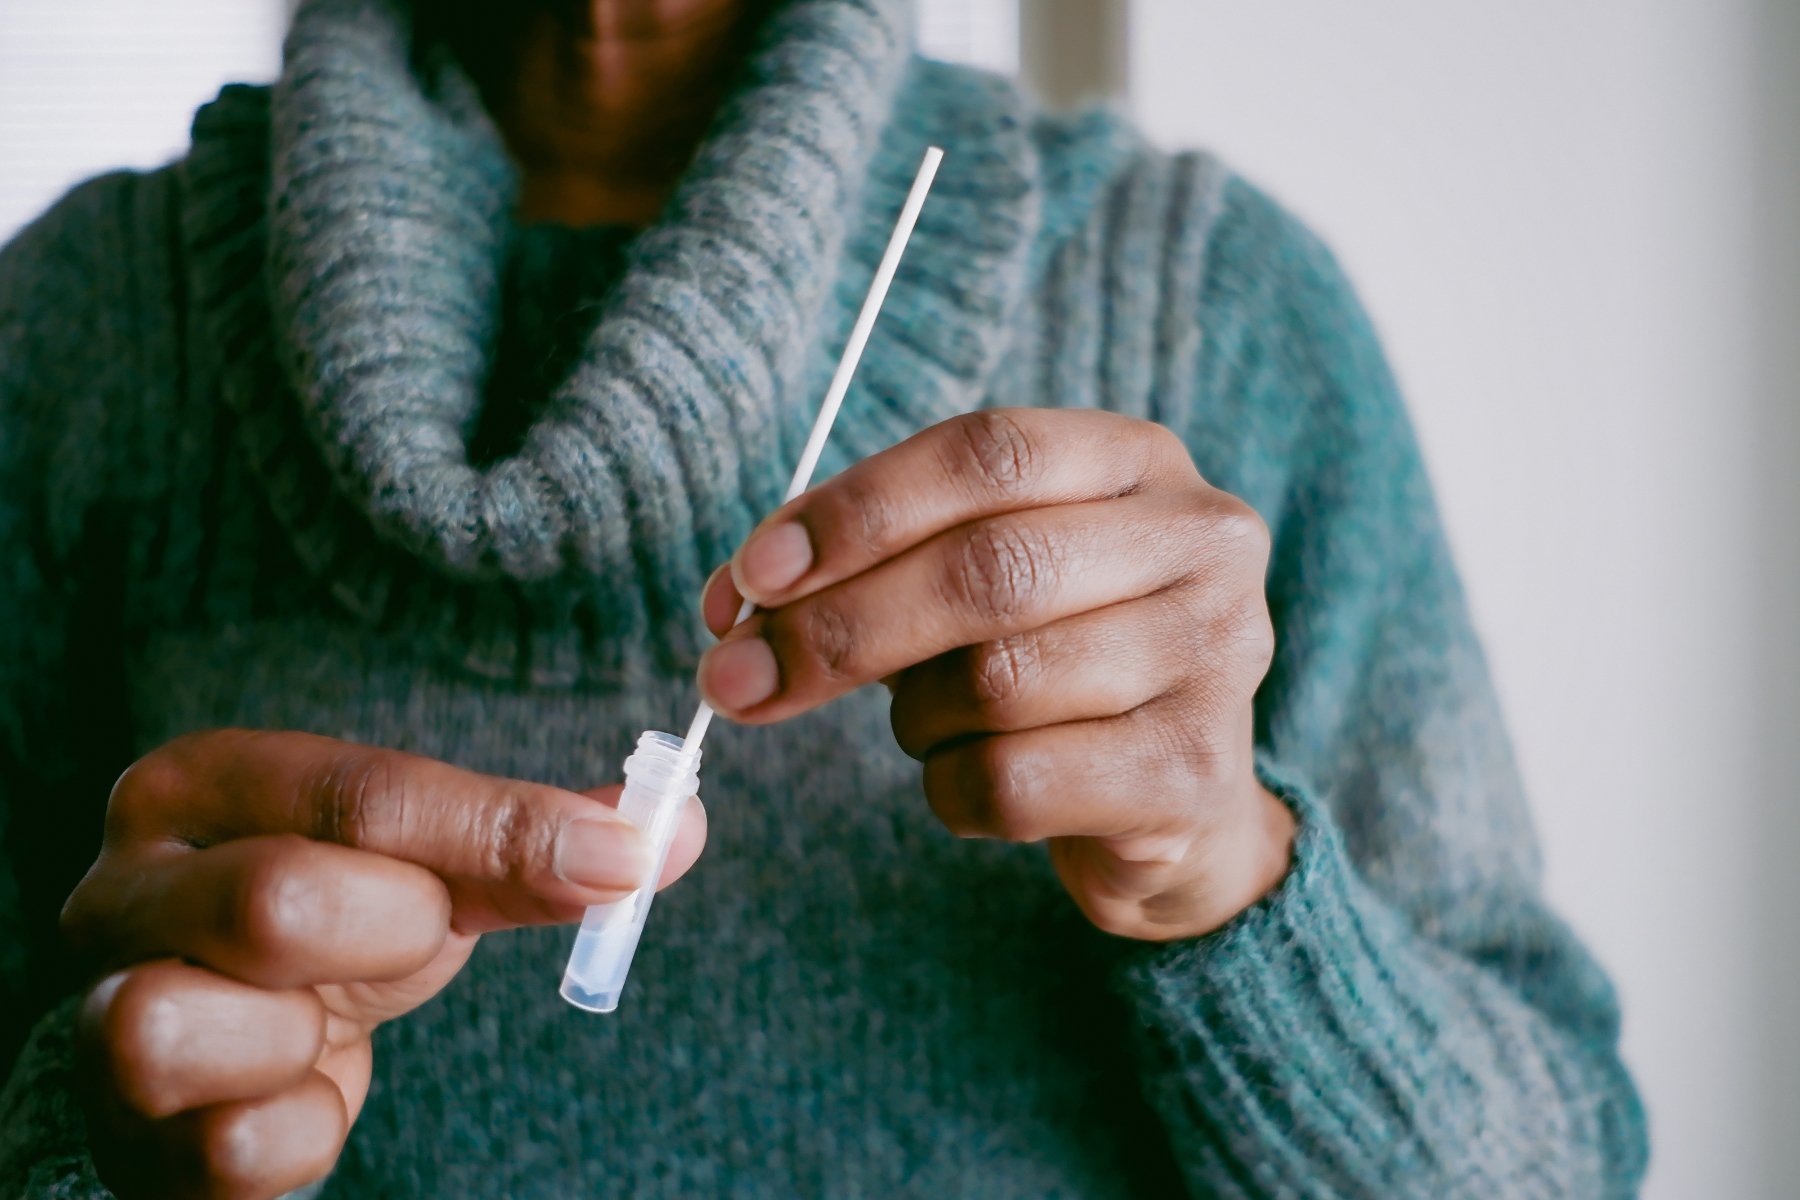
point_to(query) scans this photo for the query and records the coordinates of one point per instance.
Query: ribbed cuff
(1300, 1041)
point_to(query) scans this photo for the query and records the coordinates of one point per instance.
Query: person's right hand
(262, 901)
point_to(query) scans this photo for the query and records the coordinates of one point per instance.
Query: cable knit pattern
(305, 431)
(384, 247)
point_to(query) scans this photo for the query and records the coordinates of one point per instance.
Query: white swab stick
(840, 382)
(655, 790)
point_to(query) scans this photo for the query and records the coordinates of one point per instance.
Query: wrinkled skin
(1072, 623)
(262, 901)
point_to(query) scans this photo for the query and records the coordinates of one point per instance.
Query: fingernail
(738, 675)
(774, 558)
(602, 854)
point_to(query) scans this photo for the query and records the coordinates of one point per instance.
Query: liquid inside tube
(604, 948)
(658, 780)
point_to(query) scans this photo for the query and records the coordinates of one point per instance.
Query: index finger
(976, 465)
(498, 837)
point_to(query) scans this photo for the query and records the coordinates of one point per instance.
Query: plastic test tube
(658, 778)
(665, 769)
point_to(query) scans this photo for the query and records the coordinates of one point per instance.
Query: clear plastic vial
(657, 784)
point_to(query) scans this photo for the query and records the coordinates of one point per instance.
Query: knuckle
(233, 1151)
(1001, 673)
(1253, 633)
(144, 1032)
(276, 898)
(1240, 531)
(996, 794)
(150, 790)
(999, 571)
(352, 792)
(994, 447)
(1166, 444)
(827, 640)
(149, 784)
(1239, 639)
(862, 515)
(1189, 738)
(517, 837)
(79, 921)
(1004, 802)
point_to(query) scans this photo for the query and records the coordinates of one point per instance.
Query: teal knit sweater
(305, 431)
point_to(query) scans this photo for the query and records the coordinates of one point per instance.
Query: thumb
(511, 853)
(689, 839)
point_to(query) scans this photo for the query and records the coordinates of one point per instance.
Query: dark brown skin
(1070, 619)
(263, 901)
(603, 111)
(1072, 624)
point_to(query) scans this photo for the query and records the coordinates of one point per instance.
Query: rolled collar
(348, 228)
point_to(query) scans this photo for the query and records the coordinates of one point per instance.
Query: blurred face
(602, 102)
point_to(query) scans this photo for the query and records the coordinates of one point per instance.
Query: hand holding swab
(840, 381)
(662, 773)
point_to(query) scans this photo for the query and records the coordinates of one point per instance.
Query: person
(362, 472)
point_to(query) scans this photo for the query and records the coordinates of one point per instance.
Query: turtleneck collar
(348, 230)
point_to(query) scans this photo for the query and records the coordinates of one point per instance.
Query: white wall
(1563, 217)
(985, 34)
(88, 85)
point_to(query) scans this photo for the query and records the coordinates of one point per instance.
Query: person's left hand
(1072, 623)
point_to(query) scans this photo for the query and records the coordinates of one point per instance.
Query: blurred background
(1578, 227)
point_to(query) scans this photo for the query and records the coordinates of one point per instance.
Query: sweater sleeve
(1403, 1016)
(64, 338)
